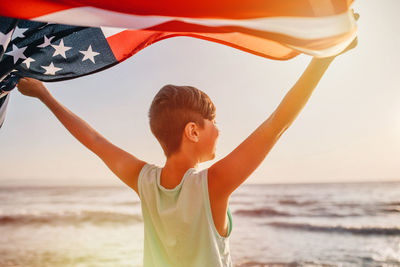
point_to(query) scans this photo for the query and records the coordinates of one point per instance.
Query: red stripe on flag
(129, 42)
(229, 9)
(28, 9)
(234, 9)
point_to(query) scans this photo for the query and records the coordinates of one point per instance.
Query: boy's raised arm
(121, 163)
(230, 172)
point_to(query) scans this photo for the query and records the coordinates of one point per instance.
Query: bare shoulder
(220, 179)
(134, 181)
(123, 164)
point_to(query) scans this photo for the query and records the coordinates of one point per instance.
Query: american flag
(58, 40)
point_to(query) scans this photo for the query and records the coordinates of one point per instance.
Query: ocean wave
(92, 217)
(391, 210)
(292, 202)
(268, 264)
(372, 209)
(389, 231)
(251, 263)
(320, 212)
(327, 213)
(262, 212)
(394, 203)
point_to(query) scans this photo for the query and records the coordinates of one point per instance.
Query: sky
(349, 131)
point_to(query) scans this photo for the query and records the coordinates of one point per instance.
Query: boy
(187, 221)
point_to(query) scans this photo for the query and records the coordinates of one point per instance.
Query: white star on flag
(60, 49)
(19, 32)
(89, 54)
(46, 41)
(51, 69)
(5, 39)
(28, 62)
(17, 53)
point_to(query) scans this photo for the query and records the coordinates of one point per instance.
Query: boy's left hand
(32, 87)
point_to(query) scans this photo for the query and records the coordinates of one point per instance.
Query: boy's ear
(192, 132)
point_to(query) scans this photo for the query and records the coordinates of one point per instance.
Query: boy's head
(172, 108)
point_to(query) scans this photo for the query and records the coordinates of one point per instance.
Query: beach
(354, 224)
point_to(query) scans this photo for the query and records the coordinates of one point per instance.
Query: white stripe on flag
(110, 31)
(331, 51)
(298, 27)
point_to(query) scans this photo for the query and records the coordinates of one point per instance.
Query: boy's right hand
(32, 87)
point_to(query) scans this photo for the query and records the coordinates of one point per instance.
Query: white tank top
(179, 230)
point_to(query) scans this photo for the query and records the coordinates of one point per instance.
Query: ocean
(343, 224)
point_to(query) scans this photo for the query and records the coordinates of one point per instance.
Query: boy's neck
(181, 161)
(176, 166)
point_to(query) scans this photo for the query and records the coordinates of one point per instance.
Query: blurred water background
(343, 224)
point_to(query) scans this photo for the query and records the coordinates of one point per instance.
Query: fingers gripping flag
(40, 41)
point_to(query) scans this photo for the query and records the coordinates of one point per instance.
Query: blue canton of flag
(48, 52)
